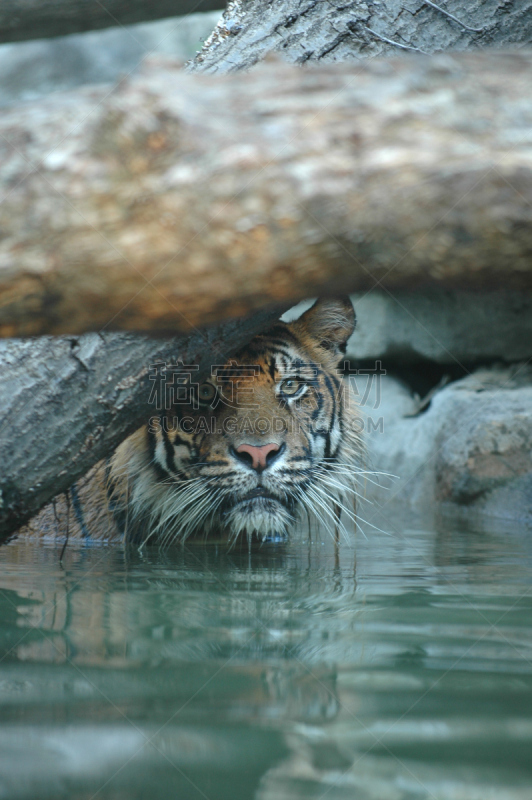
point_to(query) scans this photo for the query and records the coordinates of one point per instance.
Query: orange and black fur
(244, 456)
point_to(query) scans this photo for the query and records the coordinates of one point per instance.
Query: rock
(487, 463)
(32, 69)
(450, 327)
(470, 451)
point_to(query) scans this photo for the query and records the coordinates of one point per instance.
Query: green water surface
(397, 667)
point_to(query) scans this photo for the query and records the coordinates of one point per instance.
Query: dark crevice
(423, 375)
(427, 374)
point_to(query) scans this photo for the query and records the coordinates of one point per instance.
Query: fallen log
(182, 200)
(38, 19)
(68, 402)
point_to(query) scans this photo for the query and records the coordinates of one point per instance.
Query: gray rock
(449, 327)
(471, 450)
(29, 70)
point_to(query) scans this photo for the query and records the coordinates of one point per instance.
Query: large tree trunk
(183, 201)
(37, 19)
(68, 402)
(338, 30)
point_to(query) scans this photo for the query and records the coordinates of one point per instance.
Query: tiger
(268, 438)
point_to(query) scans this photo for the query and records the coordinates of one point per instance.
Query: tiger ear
(330, 322)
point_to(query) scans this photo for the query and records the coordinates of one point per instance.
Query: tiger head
(271, 433)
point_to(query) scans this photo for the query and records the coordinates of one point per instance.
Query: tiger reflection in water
(241, 465)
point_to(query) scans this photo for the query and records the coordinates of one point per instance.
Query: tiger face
(272, 433)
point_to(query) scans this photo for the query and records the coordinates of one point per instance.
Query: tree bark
(304, 31)
(38, 19)
(181, 201)
(69, 402)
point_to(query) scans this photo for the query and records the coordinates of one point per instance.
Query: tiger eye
(207, 393)
(291, 386)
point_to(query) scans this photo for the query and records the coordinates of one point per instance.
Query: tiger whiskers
(312, 511)
(178, 509)
(191, 515)
(327, 488)
(194, 521)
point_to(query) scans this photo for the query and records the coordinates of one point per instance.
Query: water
(295, 671)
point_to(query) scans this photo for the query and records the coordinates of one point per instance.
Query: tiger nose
(257, 457)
